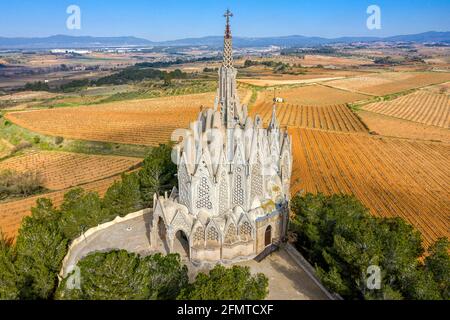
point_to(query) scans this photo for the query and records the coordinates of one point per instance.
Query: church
(232, 200)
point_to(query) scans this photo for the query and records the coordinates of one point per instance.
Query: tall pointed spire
(228, 42)
(273, 125)
(232, 112)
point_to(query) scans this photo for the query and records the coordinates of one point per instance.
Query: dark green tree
(123, 197)
(80, 211)
(40, 247)
(167, 276)
(8, 273)
(339, 236)
(120, 275)
(235, 283)
(438, 264)
(158, 173)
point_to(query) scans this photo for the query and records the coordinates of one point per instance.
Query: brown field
(62, 170)
(334, 118)
(278, 82)
(11, 213)
(139, 122)
(395, 127)
(390, 82)
(312, 95)
(392, 177)
(314, 60)
(439, 88)
(421, 106)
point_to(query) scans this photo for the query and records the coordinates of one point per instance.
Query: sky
(169, 19)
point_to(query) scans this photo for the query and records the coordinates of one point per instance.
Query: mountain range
(65, 41)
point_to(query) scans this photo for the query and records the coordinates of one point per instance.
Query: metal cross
(228, 14)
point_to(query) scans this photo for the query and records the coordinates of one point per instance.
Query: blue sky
(169, 19)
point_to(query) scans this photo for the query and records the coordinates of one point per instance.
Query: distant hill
(63, 41)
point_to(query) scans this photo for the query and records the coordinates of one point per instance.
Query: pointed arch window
(199, 237)
(204, 194)
(231, 234)
(245, 231)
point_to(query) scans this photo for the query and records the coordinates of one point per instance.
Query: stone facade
(233, 180)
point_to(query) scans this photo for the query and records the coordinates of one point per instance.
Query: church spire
(273, 122)
(273, 125)
(228, 42)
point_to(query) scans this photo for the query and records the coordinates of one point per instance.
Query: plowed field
(392, 177)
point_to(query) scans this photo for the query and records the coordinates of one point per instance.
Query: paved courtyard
(287, 281)
(132, 235)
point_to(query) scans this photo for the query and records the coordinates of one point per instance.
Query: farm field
(334, 118)
(11, 213)
(421, 106)
(140, 122)
(395, 127)
(392, 177)
(279, 82)
(310, 60)
(312, 95)
(62, 170)
(27, 95)
(390, 82)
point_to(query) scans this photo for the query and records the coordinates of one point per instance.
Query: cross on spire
(228, 14)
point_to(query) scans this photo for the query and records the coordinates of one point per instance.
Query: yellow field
(312, 95)
(422, 106)
(394, 127)
(280, 82)
(392, 177)
(139, 122)
(390, 82)
(12, 213)
(334, 118)
(61, 170)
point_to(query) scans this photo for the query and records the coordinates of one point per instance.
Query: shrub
(59, 140)
(36, 139)
(22, 145)
(23, 184)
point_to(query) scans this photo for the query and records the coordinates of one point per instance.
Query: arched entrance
(162, 233)
(181, 244)
(161, 229)
(268, 236)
